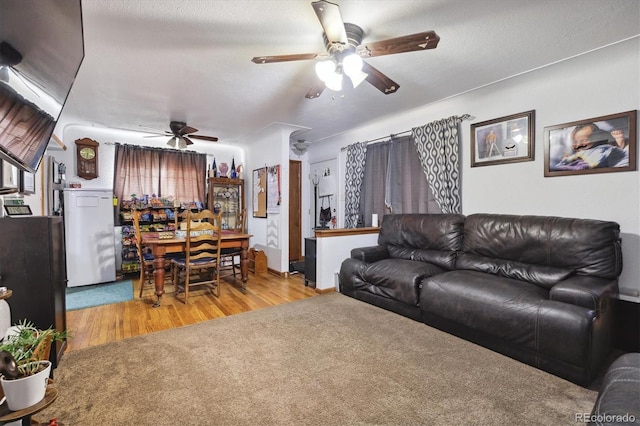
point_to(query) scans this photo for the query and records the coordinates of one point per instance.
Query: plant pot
(26, 391)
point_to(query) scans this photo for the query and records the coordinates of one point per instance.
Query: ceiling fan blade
(379, 80)
(316, 90)
(284, 58)
(204, 138)
(329, 16)
(409, 43)
(187, 140)
(185, 130)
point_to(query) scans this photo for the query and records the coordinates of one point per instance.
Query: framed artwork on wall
(509, 139)
(595, 145)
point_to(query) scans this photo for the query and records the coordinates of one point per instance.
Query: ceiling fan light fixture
(334, 81)
(358, 78)
(172, 142)
(325, 68)
(182, 143)
(352, 64)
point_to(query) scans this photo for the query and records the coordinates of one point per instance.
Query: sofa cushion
(398, 278)
(584, 246)
(544, 276)
(433, 238)
(506, 307)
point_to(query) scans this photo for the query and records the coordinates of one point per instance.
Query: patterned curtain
(438, 148)
(356, 154)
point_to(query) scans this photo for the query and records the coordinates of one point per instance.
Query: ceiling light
(325, 68)
(172, 142)
(334, 81)
(352, 64)
(181, 142)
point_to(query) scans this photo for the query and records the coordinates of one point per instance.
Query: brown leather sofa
(618, 400)
(536, 288)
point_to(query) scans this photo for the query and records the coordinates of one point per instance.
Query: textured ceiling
(148, 62)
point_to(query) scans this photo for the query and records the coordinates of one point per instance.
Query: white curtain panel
(356, 154)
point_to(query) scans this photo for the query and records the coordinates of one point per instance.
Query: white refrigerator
(89, 236)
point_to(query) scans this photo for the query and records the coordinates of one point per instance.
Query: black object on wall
(32, 263)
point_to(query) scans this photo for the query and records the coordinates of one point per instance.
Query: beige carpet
(327, 360)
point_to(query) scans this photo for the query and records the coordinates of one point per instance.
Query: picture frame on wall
(27, 182)
(509, 139)
(596, 145)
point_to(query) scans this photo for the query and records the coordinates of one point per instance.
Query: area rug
(326, 360)
(98, 294)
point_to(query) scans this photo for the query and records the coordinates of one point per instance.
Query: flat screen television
(41, 49)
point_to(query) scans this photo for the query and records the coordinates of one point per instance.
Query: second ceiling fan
(345, 53)
(181, 135)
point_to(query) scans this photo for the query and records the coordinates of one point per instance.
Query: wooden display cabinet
(226, 195)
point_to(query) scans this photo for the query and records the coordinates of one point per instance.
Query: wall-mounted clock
(87, 158)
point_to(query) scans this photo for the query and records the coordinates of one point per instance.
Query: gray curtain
(372, 198)
(438, 149)
(353, 182)
(407, 187)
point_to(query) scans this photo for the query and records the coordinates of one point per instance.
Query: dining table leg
(158, 273)
(244, 263)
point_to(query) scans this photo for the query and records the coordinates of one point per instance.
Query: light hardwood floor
(102, 324)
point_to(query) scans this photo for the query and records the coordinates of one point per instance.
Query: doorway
(295, 210)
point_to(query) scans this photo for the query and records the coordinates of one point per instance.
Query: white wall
(270, 147)
(599, 83)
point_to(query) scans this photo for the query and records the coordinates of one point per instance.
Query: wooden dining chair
(231, 256)
(144, 257)
(200, 265)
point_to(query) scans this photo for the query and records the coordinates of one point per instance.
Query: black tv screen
(41, 49)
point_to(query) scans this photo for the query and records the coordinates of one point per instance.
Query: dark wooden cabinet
(32, 265)
(310, 261)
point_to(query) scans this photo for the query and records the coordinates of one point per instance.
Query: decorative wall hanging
(273, 189)
(509, 139)
(596, 145)
(260, 192)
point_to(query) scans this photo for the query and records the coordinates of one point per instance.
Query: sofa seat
(507, 307)
(510, 311)
(397, 279)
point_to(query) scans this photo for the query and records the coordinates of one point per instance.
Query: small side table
(7, 415)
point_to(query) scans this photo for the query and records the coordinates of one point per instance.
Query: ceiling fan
(345, 53)
(181, 135)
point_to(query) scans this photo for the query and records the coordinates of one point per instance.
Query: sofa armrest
(370, 254)
(590, 292)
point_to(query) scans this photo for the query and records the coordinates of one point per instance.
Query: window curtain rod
(393, 135)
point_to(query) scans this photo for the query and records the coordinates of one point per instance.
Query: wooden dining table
(160, 247)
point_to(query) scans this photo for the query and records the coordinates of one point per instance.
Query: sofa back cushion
(432, 238)
(540, 249)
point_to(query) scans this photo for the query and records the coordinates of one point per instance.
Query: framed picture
(509, 139)
(260, 192)
(596, 145)
(27, 183)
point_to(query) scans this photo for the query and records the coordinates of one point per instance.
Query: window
(164, 172)
(394, 181)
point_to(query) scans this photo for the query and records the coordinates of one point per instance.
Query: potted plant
(25, 365)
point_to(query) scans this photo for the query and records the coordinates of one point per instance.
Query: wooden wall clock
(87, 158)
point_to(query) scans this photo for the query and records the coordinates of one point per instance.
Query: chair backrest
(203, 236)
(138, 236)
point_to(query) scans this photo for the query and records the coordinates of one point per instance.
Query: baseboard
(325, 290)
